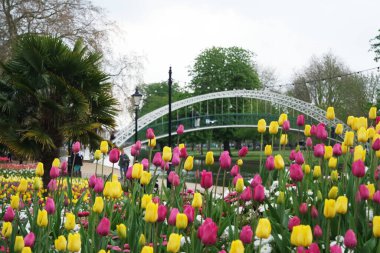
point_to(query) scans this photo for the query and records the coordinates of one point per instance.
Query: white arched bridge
(225, 119)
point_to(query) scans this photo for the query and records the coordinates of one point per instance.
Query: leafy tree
(51, 94)
(319, 84)
(375, 46)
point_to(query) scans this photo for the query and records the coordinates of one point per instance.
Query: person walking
(123, 164)
(78, 163)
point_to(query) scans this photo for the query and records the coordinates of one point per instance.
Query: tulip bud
(189, 163)
(349, 138)
(50, 206)
(239, 185)
(334, 175)
(319, 150)
(149, 133)
(282, 118)
(294, 221)
(330, 114)
(103, 227)
(9, 214)
(70, 221)
(328, 152)
(286, 126)
(206, 179)
(114, 155)
(273, 127)
(362, 135)
(259, 193)
(19, 244)
(341, 205)
(74, 242)
(307, 130)
(76, 147)
(174, 243)
(42, 218)
(261, 126)
(145, 178)
(151, 212)
(329, 208)
(300, 120)
(268, 150)
(317, 231)
(350, 239)
(263, 229)
(333, 193)
(303, 208)
(372, 113)
(181, 221)
(339, 129)
(162, 211)
(180, 129)
(279, 162)
(332, 162)
(376, 226)
(29, 239)
(225, 160)
(104, 147)
(40, 169)
(246, 234)
(197, 200)
(269, 163)
(281, 198)
(309, 142)
(284, 139)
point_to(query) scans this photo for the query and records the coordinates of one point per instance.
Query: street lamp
(136, 101)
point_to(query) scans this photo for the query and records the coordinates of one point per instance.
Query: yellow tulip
(23, 186)
(349, 138)
(371, 132)
(333, 193)
(284, 139)
(359, 153)
(339, 129)
(98, 205)
(329, 208)
(307, 130)
(19, 243)
(371, 189)
(146, 198)
(279, 162)
(7, 229)
(142, 240)
(344, 148)
(37, 183)
(263, 228)
(209, 158)
(197, 200)
(174, 243)
(341, 205)
(282, 118)
(121, 231)
(376, 226)
(152, 142)
(306, 168)
(239, 185)
(147, 249)
(330, 114)
(107, 189)
(181, 221)
(103, 251)
(319, 195)
(15, 202)
(181, 146)
(40, 169)
(237, 247)
(151, 212)
(334, 175)
(281, 198)
(167, 154)
(70, 221)
(301, 236)
(189, 163)
(26, 250)
(362, 135)
(261, 126)
(104, 147)
(350, 120)
(273, 127)
(97, 154)
(268, 150)
(372, 112)
(333, 161)
(56, 163)
(74, 242)
(60, 243)
(137, 170)
(42, 218)
(239, 162)
(145, 177)
(328, 152)
(359, 122)
(377, 128)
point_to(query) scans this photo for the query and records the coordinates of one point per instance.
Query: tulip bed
(323, 199)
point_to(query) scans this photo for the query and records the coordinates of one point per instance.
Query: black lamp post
(136, 101)
(170, 82)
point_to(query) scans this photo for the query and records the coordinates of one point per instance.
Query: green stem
(224, 181)
(261, 153)
(216, 182)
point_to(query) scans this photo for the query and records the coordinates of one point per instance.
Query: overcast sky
(283, 34)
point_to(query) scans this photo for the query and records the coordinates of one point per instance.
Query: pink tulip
(76, 147)
(319, 150)
(50, 206)
(225, 160)
(164, 165)
(222, 251)
(337, 149)
(183, 153)
(234, 170)
(358, 168)
(300, 120)
(176, 151)
(269, 163)
(175, 159)
(335, 249)
(246, 234)
(157, 159)
(92, 181)
(188, 210)
(292, 155)
(29, 240)
(294, 221)
(286, 126)
(246, 195)
(313, 130)
(103, 227)
(208, 232)
(377, 173)
(99, 185)
(52, 185)
(303, 208)
(350, 239)
(156, 200)
(180, 129)
(54, 172)
(377, 119)
(309, 142)
(138, 145)
(321, 132)
(64, 168)
(317, 231)
(173, 216)
(299, 158)
(129, 172)
(243, 151)
(173, 178)
(162, 211)
(259, 193)
(295, 172)
(301, 249)
(145, 164)
(256, 181)
(206, 179)
(364, 192)
(376, 145)
(149, 133)
(236, 178)
(314, 248)
(9, 215)
(135, 151)
(376, 197)
(114, 155)
(314, 212)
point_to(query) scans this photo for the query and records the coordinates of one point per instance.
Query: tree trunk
(226, 146)
(47, 160)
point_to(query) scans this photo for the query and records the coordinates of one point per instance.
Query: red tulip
(50, 206)
(149, 133)
(54, 172)
(29, 239)
(319, 150)
(173, 216)
(358, 168)
(299, 158)
(376, 144)
(309, 142)
(156, 200)
(294, 221)
(162, 211)
(173, 178)
(314, 212)
(99, 185)
(256, 181)
(259, 193)
(303, 208)
(114, 155)
(350, 239)
(321, 131)
(317, 231)
(246, 234)
(335, 249)
(103, 227)
(129, 172)
(9, 215)
(180, 129)
(377, 119)
(183, 153)
(286, 126)
(76, 147)
(243, 151)
(157, 159)
(313, 130)
(208, 232)
(92, 181)
(269, 163)
(206, 179)
(364, 192)
(234, 170)
(292, 155)
(138, 145)
(145, 164)
(337, 149)
(314, 248)
(376, 197)
(188, 210)
(246, 195)
(295, 172)
(225, 160)
(300, 120)
(135, 151)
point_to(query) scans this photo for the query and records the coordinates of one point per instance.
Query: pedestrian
(78, 163)
(123, 163)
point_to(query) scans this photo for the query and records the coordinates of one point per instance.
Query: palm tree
(51, 94)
